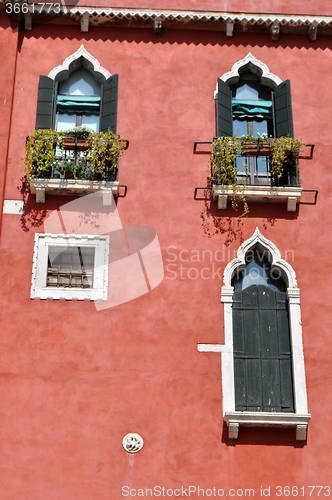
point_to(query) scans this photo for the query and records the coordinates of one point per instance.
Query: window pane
(65, 122)
(258, 272)
(70, 267)
(246, 92)
(91, 122)
(80, 82)
(239, 128)
(260, 127)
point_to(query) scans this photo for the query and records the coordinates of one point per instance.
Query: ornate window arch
(251, 101)
(278, 107)
(48, 99)
(298, 418)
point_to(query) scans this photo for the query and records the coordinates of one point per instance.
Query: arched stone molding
(269, 250)
(300, 418)
(80, 58)
(255, 66)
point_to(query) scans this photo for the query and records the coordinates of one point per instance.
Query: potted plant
(66, 168)
(76, 139)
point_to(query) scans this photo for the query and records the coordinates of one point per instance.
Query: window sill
(266, 419)
(289, 195)
(75, 187)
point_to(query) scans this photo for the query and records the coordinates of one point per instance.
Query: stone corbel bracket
(73, 187)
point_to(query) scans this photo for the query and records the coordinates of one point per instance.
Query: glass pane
(91, 122)
(246, 92)
(80, 82)
(240, 128)
(65, 122)
(70, 267)
(258, 272)
(260, 127)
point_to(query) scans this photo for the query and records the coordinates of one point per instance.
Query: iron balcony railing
(72, 162)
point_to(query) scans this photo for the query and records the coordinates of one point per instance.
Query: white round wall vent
(132, 442)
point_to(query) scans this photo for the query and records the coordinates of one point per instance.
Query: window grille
(70, 267)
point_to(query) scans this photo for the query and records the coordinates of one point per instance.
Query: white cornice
(191, 15)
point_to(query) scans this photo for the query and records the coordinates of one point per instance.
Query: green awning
(78, 104)
(252, 108)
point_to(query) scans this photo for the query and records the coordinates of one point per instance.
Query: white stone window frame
(300, 418)
(43, 241)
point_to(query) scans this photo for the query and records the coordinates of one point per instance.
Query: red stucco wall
(8, 49)
(74, 381)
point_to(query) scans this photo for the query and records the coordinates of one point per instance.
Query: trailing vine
(284, 149)
(223, 166)
(40, 151)
(105, 147)
(44, 147)
(224, 150)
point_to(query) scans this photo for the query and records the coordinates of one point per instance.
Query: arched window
(78, 102)
(261, 338)
(263, 377)
(252, 101)
(250, 80)
(79, 92)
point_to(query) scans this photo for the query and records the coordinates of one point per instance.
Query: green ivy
(224, 151)
(105, 148)
(40, 151)
(223, 166)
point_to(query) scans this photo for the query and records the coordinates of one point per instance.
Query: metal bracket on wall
(157, 27)
(197, 152)
(205, 188)
(309, 202)
(125, 191)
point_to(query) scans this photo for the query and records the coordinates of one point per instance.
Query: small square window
(70, 267)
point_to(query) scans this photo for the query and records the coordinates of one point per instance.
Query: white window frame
(300, 418)
(43, 241)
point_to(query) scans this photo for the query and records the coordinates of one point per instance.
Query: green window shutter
(46, 103)
(109, 104)
(224, 110)
(283, 117)
(262, 353)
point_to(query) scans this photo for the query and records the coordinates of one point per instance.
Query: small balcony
(260, 170)
(73, 164)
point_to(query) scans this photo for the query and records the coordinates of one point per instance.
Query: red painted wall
(8, 49)
(74, 381)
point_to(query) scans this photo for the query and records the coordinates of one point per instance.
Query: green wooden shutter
(46, 103)
(224, 110)
(109, 104)
(262, 353)
(283, 117)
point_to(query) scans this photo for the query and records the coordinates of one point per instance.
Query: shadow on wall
(31, 216)
(229, 222)
(265, 436)
(110, 32)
